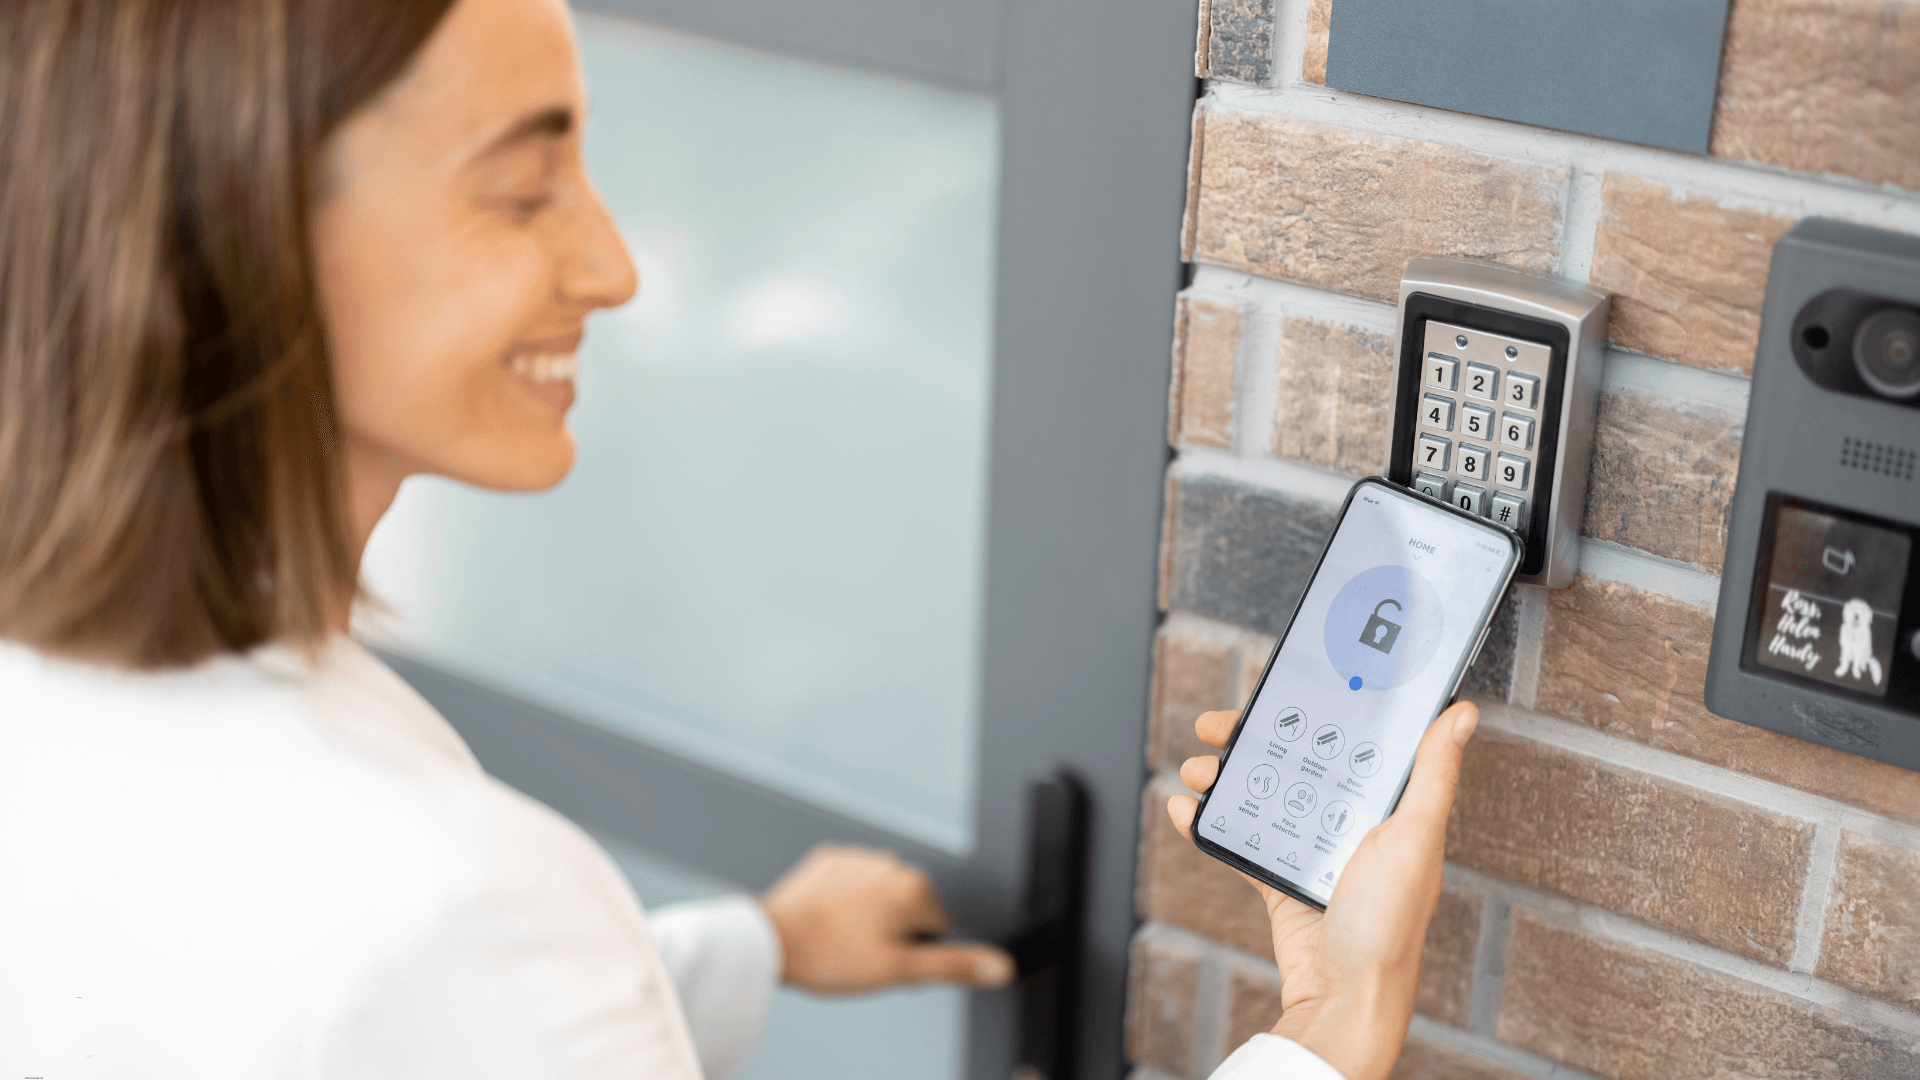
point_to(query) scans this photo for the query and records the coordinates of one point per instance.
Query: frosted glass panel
(768, 556)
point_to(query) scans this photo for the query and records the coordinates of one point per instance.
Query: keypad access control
(1479, 412)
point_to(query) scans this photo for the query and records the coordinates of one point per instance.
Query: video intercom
(1817, 634)
(1496, 380)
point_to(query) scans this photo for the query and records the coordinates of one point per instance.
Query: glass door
(860, 541)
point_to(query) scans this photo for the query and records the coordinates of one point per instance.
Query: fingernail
(1464, 724)
(993, 970)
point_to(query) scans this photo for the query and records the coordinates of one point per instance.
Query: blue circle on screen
(1407, 635)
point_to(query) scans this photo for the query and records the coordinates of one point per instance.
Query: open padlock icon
(1380, 633)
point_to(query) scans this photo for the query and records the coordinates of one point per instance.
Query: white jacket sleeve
(1270, 1057)
(725, 961)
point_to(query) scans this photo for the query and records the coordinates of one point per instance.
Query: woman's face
(460, 247)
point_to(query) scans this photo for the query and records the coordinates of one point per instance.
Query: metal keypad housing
(1496, 380)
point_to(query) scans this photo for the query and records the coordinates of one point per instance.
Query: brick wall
(1636, 888)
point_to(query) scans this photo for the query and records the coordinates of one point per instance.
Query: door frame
(1095, 99)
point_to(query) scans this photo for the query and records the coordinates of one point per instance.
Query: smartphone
(1396, 610)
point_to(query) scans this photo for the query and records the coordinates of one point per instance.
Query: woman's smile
(547, 375)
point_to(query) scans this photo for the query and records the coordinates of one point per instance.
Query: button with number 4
(1436, 411)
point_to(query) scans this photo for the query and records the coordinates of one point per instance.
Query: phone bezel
(1516, 552)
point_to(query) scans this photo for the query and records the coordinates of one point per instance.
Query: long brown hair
(167, 490)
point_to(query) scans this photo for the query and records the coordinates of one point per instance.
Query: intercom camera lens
(1886, 352)
(1816, 337)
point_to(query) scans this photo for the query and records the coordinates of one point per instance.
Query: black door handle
(1048, 947)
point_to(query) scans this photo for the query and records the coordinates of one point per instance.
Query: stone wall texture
(1636, 887)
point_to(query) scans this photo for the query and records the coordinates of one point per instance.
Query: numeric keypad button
(1472, 462)
(1509, 510)
(1516, 431)
(1433, 453)
(1471, 498)
(1434, 487)
(1482, 382)
(1476, 422)
(1437, 412)
(1523, 391)
(1510, 471)
(1443, 372)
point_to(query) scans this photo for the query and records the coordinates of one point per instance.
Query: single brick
(1662, 476)
(1313, 65)
(1240, 553)
(1823, 86)
(1333, 399)
(1446, 958)
(1423, 1060)
(1206, 349)
(1627, 1013)
(1725, 873)
(1634, 664)
(1872, 939)
(1191, 890)
(1687, 274)
(1190, 676)
(1240, 41)
(1344, 210)
(1160, 1005)
(1491, 675)
(1253, 1006)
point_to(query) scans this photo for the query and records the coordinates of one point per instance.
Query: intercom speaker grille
(1879, 458)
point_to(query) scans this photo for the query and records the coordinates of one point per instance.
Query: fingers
(1199, 773)
(1436, 771)
(921, 907)
(982, 967)
(1181, 809)
(1214, 728)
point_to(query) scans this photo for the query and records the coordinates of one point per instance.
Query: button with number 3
(1523, 391)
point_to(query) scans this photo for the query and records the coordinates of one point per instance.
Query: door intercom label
(1833, 598)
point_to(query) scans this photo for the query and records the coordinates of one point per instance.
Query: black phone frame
(1261, 873)
(1423, 307)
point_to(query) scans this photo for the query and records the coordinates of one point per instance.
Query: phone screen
(1373, 653)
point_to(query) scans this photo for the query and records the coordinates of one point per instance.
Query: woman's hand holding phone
(1348, 976)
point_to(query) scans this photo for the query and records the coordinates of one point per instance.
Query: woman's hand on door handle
(853, 920)
(1348, 976)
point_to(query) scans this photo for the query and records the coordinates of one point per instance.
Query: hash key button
(1509, 510)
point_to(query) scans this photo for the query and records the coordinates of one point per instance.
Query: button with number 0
(1511, 472)
(1442, 371)
(1432, 453)
(1522, 391)
(1470, 498)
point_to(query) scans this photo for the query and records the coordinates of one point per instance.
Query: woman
(260, 261)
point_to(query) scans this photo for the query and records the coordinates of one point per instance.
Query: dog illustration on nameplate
(1856, 641)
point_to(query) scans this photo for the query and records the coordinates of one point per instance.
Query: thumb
(1436, 772)
(981, 967)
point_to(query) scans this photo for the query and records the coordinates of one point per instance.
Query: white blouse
(259, 869)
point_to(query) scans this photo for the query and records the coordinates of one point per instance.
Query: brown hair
(166, 490)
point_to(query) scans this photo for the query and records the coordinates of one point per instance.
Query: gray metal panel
(1793, 435)
(1640, 70)
(950, 42)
